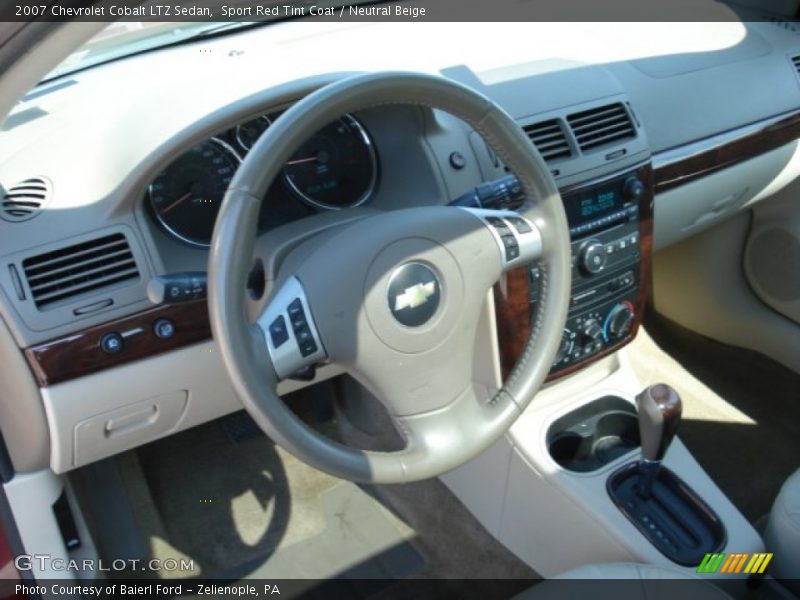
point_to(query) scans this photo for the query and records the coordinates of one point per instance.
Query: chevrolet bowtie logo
(415, 296)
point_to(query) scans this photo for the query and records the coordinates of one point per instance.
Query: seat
(640, 582)
(782, 536)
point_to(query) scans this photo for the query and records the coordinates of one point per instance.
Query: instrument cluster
(336, 168)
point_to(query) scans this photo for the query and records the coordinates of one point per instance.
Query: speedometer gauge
(186, 196)
(336, 168)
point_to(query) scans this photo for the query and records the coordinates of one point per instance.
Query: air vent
(601, 126)
(796, 63)
(75, 270)
(26, 199)
(549, 139)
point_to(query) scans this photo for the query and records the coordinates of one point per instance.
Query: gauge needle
(302, 160)
(186, 196)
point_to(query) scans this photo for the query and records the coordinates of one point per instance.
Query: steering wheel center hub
(414, 294)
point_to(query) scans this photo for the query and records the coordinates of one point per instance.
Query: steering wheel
(393, 298)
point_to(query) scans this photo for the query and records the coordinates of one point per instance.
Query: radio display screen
(596, 203)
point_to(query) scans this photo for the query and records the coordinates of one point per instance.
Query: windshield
(122, 39)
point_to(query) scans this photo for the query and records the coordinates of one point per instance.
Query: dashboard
(706, 120)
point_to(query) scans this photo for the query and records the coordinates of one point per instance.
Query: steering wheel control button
(511, 247)
(520, 224)
(278, 332)
(303, 335)
(296, 309)
(289, 330)
(164, 328)
(308, 347)
(111, 343)
(519, 240)
(414, 294)
(302, 332)
(500, 226)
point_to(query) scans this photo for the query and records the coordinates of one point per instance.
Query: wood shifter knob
(660, 410)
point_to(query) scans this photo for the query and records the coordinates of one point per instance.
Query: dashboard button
(164, 328)
(111, 343)
(457, 160)
(278, 332)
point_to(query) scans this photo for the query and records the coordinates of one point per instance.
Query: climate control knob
(619, 321)
(592, 331)
(593, 257)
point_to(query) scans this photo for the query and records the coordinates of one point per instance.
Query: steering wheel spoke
(435, 440)
(290, 331)
(518, 238)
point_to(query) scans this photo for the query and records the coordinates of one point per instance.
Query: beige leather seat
(641, 582)
(782, 536)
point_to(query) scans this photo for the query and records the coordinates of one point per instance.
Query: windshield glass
(125, 38)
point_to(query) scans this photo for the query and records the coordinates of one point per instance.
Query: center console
(610, 221)
(585, 475)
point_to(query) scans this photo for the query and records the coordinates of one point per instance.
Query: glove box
(123, 428)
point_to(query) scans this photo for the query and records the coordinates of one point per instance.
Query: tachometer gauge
(186, 196)
(336, 168)
(247, 133)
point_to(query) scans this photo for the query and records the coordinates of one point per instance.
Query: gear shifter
(659, 408)
(668, 513)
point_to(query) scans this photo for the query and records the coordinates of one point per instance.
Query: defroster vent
(79, 269)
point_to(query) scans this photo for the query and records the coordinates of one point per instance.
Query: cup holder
(594, 435)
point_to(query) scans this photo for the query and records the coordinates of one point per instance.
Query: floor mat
(741, 419)
(227, 498)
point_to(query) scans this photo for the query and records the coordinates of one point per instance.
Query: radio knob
(633, 188)
(619, 321)
(593, 257)
(592, 331)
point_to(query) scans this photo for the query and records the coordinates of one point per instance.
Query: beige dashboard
(101, 137)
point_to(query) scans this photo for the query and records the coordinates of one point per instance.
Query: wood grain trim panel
(511, 296)
(725, 150)
(512, 316)
(80, 354)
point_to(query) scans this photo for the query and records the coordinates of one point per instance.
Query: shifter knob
(659, 409)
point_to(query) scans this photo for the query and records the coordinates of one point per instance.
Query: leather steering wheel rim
(441, 434)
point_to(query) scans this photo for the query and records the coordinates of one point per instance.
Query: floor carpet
(227, 498)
